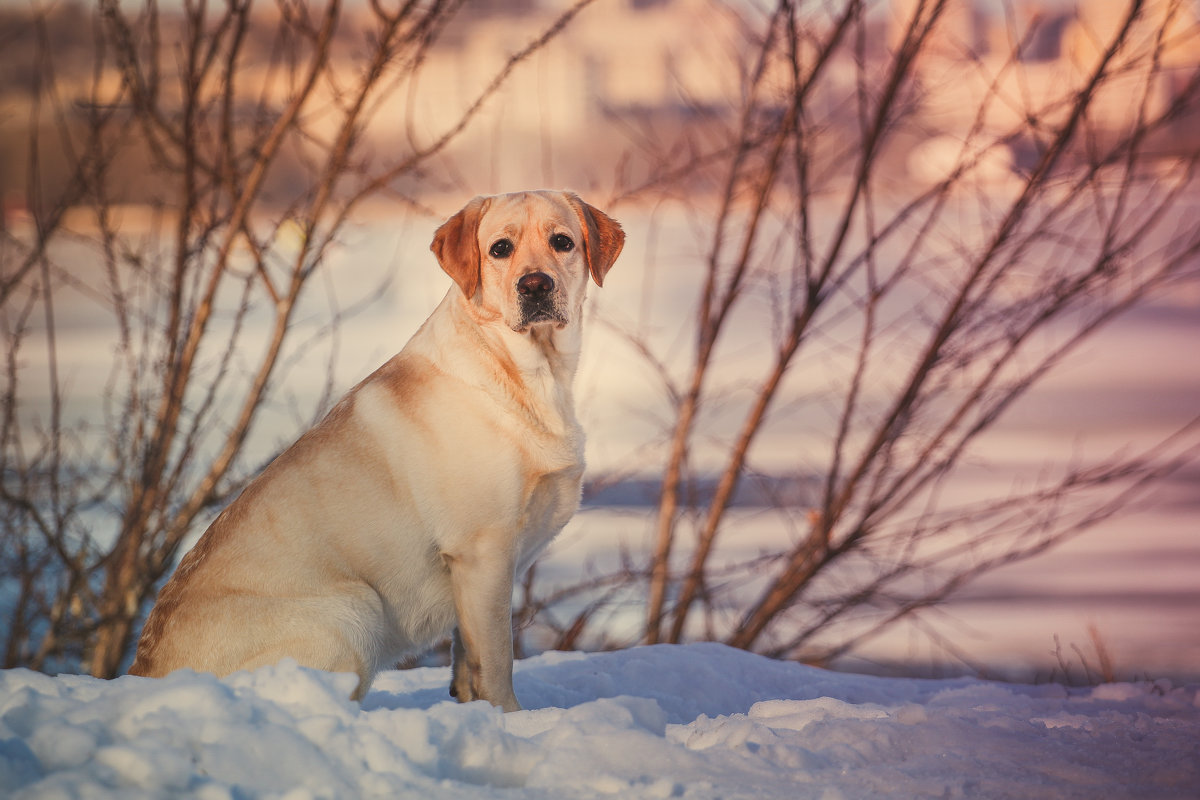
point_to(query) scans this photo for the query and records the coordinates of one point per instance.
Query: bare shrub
(185, 186)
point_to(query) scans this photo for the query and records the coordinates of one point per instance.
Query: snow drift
(699, 721)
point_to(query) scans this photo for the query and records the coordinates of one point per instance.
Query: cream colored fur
(411, 508)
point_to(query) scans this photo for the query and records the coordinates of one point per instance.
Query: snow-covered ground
(699, 721)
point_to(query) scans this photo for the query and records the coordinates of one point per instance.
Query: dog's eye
(561, 242)
(502, 248)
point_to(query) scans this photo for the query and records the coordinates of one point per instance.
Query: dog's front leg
(481, 579)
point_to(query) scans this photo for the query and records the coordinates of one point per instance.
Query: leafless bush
(238, 132)
(908, 296)
(925, 229)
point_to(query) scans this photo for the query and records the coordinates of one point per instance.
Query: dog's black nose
(535, 284)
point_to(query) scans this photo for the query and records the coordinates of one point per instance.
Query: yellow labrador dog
(409, 510)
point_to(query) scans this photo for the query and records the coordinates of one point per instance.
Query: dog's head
(525, 258)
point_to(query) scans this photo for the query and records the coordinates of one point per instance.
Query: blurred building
(1016, 76)
(618, 59)
(628, 73)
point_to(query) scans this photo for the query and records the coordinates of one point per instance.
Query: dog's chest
(553, 500)
(553, 495)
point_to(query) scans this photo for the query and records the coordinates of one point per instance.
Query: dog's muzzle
(538, 300)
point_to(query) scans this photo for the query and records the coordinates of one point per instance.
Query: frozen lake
(1134, 580)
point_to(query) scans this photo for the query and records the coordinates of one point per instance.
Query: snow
(695, 721)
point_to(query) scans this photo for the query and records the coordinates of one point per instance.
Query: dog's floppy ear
(602, 238)
(456, 245)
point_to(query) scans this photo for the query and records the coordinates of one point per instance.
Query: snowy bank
(699, 721)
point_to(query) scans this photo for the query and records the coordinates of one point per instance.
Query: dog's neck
(543, 360)
(546, 347)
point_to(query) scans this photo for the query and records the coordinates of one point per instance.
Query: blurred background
(898, 371)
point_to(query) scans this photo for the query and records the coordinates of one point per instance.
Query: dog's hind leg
(460, 676)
